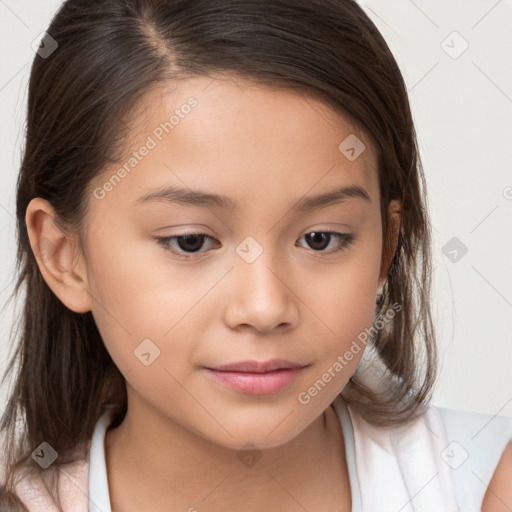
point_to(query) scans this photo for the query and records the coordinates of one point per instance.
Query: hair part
(110, 54)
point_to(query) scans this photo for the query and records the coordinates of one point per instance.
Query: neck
(153, 460)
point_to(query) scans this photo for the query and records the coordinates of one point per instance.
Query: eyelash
(346, 239)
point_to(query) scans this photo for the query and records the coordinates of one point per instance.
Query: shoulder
(71, 472)
(457, 459)
(32, 484)
(479, 453)
(498, 496)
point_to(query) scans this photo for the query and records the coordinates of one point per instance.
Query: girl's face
(257, 278)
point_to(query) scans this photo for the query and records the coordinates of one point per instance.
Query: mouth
(255, 377)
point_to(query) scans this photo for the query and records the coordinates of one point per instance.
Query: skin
(498, 497)
(178, 444)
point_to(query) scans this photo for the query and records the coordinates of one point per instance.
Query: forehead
(239, 136)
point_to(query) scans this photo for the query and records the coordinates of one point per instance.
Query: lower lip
(256, 383)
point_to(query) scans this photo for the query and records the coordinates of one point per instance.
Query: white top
(442, 461)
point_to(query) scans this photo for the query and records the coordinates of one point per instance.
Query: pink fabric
(73, 486)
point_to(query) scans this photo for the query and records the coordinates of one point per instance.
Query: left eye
(320, 240)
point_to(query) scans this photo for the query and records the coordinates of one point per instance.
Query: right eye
(184, 245)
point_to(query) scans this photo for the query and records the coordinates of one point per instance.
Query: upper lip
(257, 366)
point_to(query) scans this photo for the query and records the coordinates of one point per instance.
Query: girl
(225, 249)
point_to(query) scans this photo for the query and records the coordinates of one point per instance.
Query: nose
(260, 296)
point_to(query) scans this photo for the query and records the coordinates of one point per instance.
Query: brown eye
(320, 240)
(190, 243)
(184, 246)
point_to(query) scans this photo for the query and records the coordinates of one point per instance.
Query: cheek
(132, 300)
(141, 296)
(348, 314)
(342, 298)
(343, 295)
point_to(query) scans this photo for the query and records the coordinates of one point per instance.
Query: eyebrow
(178, 195)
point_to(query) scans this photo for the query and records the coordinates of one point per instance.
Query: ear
(390, 247)
(60, 261)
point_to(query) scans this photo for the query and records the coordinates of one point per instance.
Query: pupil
(187, 242)
(318, 237)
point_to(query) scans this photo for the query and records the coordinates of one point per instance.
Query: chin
(251, 439)
(261, 430)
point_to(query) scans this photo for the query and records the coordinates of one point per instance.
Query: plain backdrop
(456, 60)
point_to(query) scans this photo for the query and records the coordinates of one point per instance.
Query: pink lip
(257, 366)
(257, 378)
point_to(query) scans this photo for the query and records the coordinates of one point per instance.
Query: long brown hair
(110, 54)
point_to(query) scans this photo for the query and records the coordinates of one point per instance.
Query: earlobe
(56, 255)
(389, 248)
